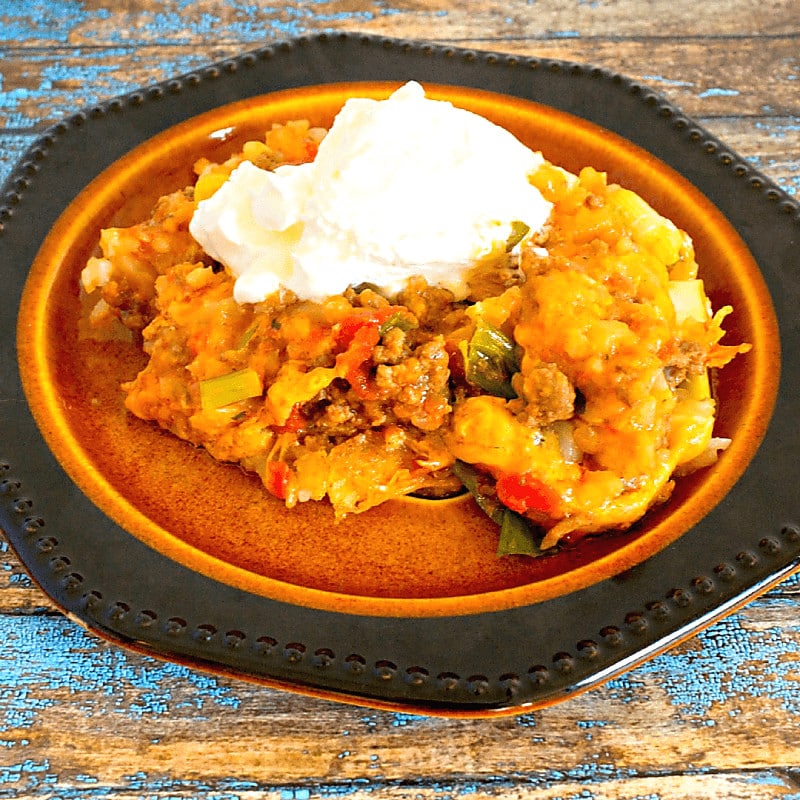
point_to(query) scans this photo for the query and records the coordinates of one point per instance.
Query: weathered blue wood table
(718, 716)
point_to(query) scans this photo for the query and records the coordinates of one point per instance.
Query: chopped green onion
(519, 230)
(517, 536)
(231, 388)
(490, 360)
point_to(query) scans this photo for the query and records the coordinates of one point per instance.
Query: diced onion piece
(96, 273)
(231, 388)
(689, 299)
(658, 234)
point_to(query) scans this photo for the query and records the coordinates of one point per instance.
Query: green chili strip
(468, 475)
(517, 536)
(490, 361)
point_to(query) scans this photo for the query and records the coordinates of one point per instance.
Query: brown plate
(410, 568)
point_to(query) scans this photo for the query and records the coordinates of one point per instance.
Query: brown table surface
(718, 716)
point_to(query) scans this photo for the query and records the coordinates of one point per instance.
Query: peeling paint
(64, 22)
(48, 20)
(780, 128)
(667, 81)
(81, 77)
(43, 656)
(719, 92)
(730, 665)
(401, 720)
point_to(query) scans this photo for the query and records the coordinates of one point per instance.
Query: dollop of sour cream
(399, 187)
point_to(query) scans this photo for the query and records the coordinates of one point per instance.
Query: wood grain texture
(717, 717)
(99, 711)
(133, 22)
(706, 79)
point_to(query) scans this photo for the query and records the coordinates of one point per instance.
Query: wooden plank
(34, 779)
(46, 85)
(700, 77)
(143, 21)
(771, 144)
(700, 705)
(706, 78)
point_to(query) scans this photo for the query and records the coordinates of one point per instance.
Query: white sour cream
(400, 187)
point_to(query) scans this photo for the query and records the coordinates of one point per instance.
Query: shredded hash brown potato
(568, 391)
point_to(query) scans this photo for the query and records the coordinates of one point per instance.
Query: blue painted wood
(78, 77)
(47, 665)
(64, 22)
(43, 656)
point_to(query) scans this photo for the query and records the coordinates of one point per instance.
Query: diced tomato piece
(364, 341)
(523, 493)
(355, 360)
(360, 334)
(362, 318)
(277, 476)
(358, 378)
(295, 422)
(348, 328)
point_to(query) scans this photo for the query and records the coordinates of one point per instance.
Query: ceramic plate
(405, 606)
